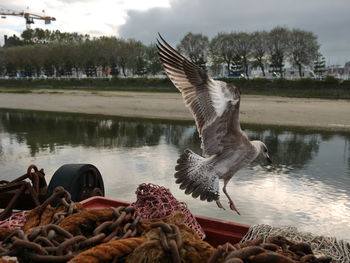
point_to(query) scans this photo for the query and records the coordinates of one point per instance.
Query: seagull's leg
(232, 205)
(218, 203)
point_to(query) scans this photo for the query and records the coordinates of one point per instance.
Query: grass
(15, 90)
(305, 88)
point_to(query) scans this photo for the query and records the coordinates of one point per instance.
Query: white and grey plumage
(215, 108)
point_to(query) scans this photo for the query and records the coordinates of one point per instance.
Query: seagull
(225, 147)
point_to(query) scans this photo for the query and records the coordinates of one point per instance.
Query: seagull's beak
(268, 159)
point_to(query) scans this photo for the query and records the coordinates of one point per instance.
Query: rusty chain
(274, 249)
(19, 188)
(221, 250)
(63, 197)
(52, 243)
(170, 239)
(114, 229)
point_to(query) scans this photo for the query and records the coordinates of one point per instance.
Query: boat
(217, 231)
(84, 180)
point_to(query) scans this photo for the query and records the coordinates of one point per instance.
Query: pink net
(154, 201)
(16, 220)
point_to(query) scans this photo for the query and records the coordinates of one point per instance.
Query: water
(307, 186)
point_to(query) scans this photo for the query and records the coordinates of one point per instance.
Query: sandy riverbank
(312, 113)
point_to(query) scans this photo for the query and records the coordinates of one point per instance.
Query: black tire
(81, 180)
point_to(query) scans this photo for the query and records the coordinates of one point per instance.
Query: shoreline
(318, 114)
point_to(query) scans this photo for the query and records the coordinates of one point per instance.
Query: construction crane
(29, 17)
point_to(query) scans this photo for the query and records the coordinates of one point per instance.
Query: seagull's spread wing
(214, 104)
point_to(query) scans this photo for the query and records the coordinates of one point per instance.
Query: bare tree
(278, 47)
(109, 52)
(136, 57)
(222, 49)
(303, 49)
(195, 47)
(152, 59)
(122, 55)
(243, 45)
(259, 49)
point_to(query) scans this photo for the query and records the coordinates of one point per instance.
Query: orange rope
(108, 251)
(91, 218)
(46, 217)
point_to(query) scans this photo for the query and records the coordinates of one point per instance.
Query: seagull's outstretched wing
(214, 105)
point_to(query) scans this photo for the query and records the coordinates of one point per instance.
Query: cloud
(15, 4)
(76, 1)
(329, 20)
(142, 20)
(95, 17)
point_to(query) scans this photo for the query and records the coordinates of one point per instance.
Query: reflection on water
(308, 184)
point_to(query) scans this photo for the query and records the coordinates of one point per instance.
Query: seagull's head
(262, 150)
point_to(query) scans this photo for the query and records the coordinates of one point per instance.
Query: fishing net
(154, 201)
(16, 220)
(339, 250)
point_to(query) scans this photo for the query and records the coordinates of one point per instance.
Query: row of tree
(242, 50)
(55, 54)
(60, 54)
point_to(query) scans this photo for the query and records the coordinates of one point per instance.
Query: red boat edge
(217, 231)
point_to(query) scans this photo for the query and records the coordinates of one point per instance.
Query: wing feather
(214, 105)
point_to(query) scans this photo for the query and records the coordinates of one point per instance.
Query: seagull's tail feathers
(196, 176)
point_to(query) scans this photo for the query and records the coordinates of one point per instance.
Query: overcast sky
(142, 19)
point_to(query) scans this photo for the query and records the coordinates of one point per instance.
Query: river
(307, 186)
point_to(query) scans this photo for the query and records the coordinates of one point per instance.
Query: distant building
(347, 70)
(338, 71)
(288, 73)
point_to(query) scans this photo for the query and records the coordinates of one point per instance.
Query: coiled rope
(339, 250)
